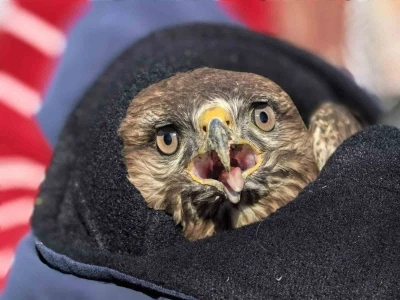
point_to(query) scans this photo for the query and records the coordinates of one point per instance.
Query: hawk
(220, 149)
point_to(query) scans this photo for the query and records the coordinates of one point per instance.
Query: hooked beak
(219, 139)
(225, 160)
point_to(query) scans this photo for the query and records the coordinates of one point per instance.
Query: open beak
(225, 160)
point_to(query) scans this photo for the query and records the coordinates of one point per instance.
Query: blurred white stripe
(372, 49)
(32, 30)
(20, 172)
(3, 4)
(15, 212)
(6, 260)
(17, 95)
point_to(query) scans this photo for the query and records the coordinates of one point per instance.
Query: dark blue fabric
(66, 264)
(107, 30)
(30, 278)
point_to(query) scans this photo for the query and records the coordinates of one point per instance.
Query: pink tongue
(233, 179)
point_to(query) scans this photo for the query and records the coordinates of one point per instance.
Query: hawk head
(216, 149)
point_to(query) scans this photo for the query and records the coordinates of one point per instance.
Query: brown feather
(330, 125)
(288, 162)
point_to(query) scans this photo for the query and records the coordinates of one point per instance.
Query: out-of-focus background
(51, 51)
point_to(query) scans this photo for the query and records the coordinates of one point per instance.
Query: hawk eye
(263, 117)
(167, 140)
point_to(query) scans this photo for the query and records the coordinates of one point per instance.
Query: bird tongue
(233, 183)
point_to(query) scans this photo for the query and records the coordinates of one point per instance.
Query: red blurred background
(362, 37)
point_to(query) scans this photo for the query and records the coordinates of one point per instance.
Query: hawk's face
(216, 149)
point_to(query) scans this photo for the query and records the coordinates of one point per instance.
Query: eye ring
(167, 140)
(263, 117)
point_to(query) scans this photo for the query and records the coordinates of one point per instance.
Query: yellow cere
(212, 113)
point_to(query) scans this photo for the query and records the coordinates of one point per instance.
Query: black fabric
(338, 238)
(31, 279)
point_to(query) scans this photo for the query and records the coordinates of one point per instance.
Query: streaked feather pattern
(290, 151)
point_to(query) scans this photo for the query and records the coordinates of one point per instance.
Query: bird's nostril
(204, 128)
(228, 122)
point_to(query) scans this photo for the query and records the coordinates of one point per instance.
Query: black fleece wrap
(338, 239)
